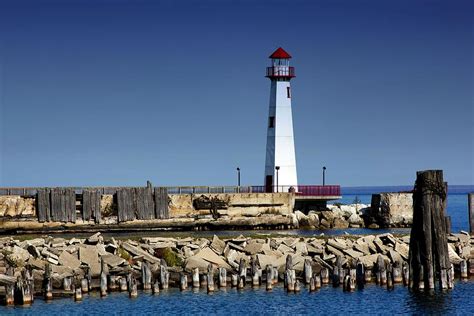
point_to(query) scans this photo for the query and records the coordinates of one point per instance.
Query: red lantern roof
(280, 53)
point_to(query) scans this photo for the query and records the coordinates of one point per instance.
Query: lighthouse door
(268, 184)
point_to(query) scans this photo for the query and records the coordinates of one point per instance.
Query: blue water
(457, 206)
(372, 300)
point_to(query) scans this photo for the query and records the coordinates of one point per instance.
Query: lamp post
(277, 168)
(238, 176)
(324, 176)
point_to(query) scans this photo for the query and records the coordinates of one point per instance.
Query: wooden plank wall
(161, 203)
(126, 204)
(145, 203)
(91, 205)
(43, 205)
(63, 205)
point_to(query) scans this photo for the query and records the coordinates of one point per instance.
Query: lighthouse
(280, 162)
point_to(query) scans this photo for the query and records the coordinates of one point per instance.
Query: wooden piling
(463, 269)
(256, 279)
(234, 278)
(47, 283)
(451, 277)
(397, 273)
(183, 282)
(112, 283)
(308, 271)
(290, 275)
(381, 274)
(67, 283)
(196, 278)
(123, 284)
(428, 240)
(360, 275)
(325, 276)
(312, 284)
(146, 276)
(133, 287)
(164, 276)
(84, 285)
(156, 287)
(210, 278)
(269, 280)
(406, 274)
(275, 275)
(242, 271)
(103, 278)
(297, 286)
(222, 277)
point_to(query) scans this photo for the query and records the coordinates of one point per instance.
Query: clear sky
(111, 92)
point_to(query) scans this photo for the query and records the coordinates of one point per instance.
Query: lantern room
(280, 69)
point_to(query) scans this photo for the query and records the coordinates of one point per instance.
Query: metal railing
(280, 71)
(304, 190)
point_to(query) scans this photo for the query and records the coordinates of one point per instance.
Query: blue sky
(120, 92)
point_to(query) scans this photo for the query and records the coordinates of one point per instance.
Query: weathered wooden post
(275, 275)
(210, 278)
(196, 278)
(103, 278)
(470, 201)
(123, 284)
(112, 282)
(297, 286)
(360, 275)
(463, 268)
(47, 283)
(164, 276)
(325, 276)
(234, 279)
(84, 285)
(308, 271)
(352, 281)
(337, 272)
(397, 273)
(290, 275)
(269, 280)
(317, 281)
(428, 240)
(256, 279)
(156, 288)
(406, 274)
(146, 276)
(389, 278)
(183, 282)
(78, 293)
(222, 277)
(381, 274)
(30, 286)
(242, 271)
(312, 284)
(133, 287)
(67, 283)
(203, 282)
(451, 277)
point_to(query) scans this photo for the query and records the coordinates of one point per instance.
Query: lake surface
(373, 300)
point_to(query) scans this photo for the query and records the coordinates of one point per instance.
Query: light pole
(324, 176)
(238, 176)
(277, 168)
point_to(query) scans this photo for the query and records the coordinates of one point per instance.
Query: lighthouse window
(271, 122)
(288, 92)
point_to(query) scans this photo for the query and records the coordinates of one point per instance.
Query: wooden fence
(67, 204)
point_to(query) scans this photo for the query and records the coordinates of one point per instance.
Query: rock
(284, 249)
(19, 256)
(355, 219)
(217, 245)
(334, 251)
(33, 251)
(265, 260)
(324, 224)
(402, 250)
(313, 220)
(253, 248)
(210, 256)
(327, 215)
(453, 256)
(15, 206)
(89, 255)
(113, 261)
(340, 223)
(364, 248)
(373, 226)
(337, 243)
(301, 248)
(196, 262)
(68, 260)
(137, 251)
(369, 260)
(37, 263)
(353, 253)
(94, 239)
(394, 256)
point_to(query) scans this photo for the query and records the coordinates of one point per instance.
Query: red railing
(280, 71)
(303, 190)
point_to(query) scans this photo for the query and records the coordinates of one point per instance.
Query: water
(457, 206)
(327, 301)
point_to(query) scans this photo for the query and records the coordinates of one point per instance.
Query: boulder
(340, 223)
(209, 255)
(113, 261)
(196, 262)
(90, 255)
(217, 245)
(253, 248)
(68, 260)
(265, 260)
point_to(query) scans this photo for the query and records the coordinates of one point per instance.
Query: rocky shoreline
(67, 262)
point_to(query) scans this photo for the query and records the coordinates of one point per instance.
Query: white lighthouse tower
(280, 163)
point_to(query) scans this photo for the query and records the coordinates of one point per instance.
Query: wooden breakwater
(48, 268)
(68, 205)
